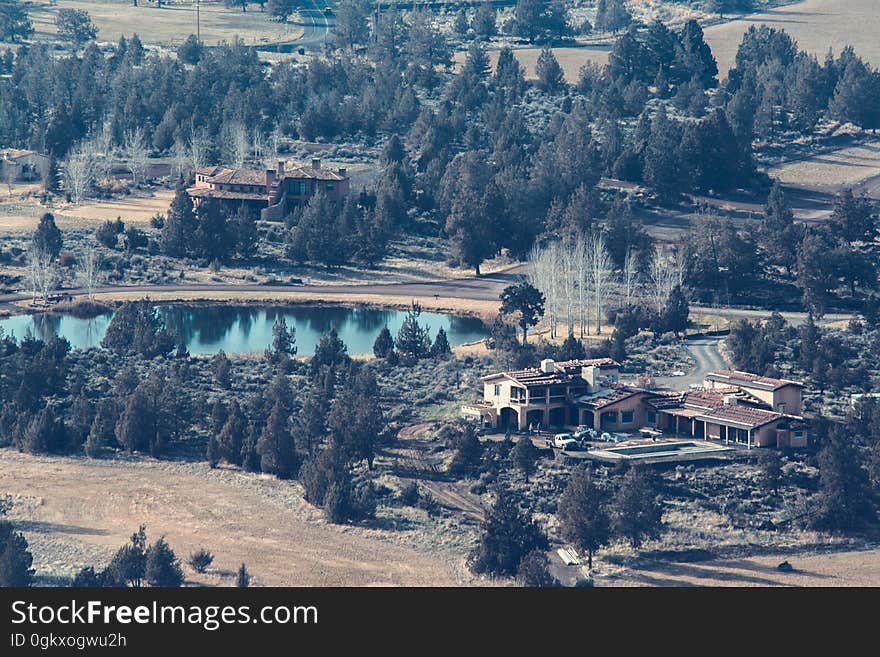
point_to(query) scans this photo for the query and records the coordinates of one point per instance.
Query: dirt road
(77, 511)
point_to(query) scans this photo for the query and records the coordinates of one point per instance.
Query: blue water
(236, 330)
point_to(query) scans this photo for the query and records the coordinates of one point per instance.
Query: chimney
(548, 366)
(316, 163)
(730, 400)
(280, 169)
(342, 172)
(270, 178)
(588, 374)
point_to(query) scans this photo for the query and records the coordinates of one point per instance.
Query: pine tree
(283, 341)
(312, 418)
(200, 560)
(526, 301)
(135, 428)
(244, 231)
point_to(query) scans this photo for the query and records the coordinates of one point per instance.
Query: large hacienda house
(273, 192)
(731, 406)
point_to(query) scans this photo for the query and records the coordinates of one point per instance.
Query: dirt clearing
(170, 24)
(77, 511)
(816, 25)
(831, 171)
(850, 568)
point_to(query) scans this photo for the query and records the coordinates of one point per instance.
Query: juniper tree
(162, 567)
(583, 517)
(637, 508)
(845, 500)
(275, 446)
(412, 340)
(384, 343)
(441, 350)
(243, 579)
(15, 557)
(200, 560)
(232, 436)
(534, 571)
(47, 236)
(525, 456)
(509, 533)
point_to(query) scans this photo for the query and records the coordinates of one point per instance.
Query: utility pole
(198, 24)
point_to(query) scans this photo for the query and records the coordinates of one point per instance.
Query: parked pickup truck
(563, 441)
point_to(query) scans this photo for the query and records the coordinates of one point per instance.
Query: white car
(563, 441)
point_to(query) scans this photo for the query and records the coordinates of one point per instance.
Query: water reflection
(237, 329)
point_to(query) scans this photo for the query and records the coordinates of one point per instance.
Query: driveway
(705, 351)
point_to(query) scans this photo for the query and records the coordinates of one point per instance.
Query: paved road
(793, 318)
(485, 288)
(705, 351)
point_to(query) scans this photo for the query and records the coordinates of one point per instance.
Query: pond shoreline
(244, 328)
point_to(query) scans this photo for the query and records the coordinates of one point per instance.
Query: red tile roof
(239, 177)
(708, 405)
(609, 396)
(310, 173)
(207, 192)
(737, 377)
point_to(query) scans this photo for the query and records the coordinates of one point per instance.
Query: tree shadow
(41, 527)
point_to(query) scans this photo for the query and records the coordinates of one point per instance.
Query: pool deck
(666, 450)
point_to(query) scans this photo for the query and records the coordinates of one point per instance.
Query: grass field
(171, 24)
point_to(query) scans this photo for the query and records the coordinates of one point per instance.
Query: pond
(236, 330)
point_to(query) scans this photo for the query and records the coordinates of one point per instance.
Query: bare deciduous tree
(237, 143)
(43, 274)
(89, 270)
(136, 153)
(79, 172)
(180, 160)
(198, 148)
(630, 276)
(665, 272)
(102, 145)
(601, 273)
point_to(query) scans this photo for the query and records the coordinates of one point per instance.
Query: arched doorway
(557, 417)
(587, 419)
(535, 419)
(508, 418)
